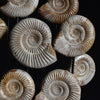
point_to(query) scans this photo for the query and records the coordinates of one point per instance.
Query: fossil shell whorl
(19, 8)
(41, 96)
(3, 28)
(76, 37)
(31, 43)
(84, 69)
(58, 11)
(61, 85)
(18, 85)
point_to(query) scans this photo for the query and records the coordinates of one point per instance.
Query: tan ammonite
(76, 36)
(19, 8)
(3, 28)
(61, 85)
(84, 69)
(17, 85)
(30, 42)
(57, 11)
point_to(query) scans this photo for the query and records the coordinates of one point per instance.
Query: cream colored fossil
(2, 96)
(3, 28)
(76, 36)
(17, 85)
(41, 96)
(58, 11)
(61, 85)
(84, 69)
(31, 43)
(19, 8)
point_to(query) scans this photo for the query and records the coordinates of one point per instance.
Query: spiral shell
(18, 85)
(3, 28)
(61, 85)
(84, 69)
(41, 96)
(58, 11)
(19, 8)
(31, 43)
(76, 37)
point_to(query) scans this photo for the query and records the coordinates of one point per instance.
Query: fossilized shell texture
(19, 8)
(84, 69)
(41, 96)
(31, 43)
(61, 85)
(58, 11)
(17, 85)
(3, 28)
(76, 37)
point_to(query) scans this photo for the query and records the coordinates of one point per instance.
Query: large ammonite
(61, 85)
(17, 85)
(31, 43)
(58, 11)
(19, 8)
(84, 69)
(3, 28)
(76, 37)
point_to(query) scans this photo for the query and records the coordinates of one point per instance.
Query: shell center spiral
(32, 39)
(82, 68)
(15, 88)
(59, 89)
(76, 35)
(61, 5)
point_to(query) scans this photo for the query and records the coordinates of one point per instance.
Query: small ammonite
(61, 85)
(41, 96)
(84, 69)
(30, 43)
(76, 36)
(17, 85)
(3, 28)
(19, 8)
(57, 11)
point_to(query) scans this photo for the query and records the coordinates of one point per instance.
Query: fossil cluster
(31, 45)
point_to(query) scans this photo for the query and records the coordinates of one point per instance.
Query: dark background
(89, 9)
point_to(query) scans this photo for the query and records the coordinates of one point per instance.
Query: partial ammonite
(19, 8)
(41, 96)
(3, 28)
(61, 85)
(17, 85)
(31, 43)
(84, 69)
(76, 36)
(57, 11)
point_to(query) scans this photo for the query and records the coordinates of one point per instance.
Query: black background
(89, 9)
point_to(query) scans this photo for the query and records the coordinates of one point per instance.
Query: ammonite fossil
(76, 36)
(61, 85)
(31, 43)
(41, 96)
(58, 11)
(19, 8)
(3, 28)
(84, 69)
(17, 85)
